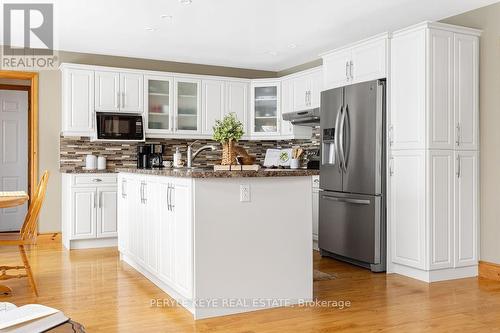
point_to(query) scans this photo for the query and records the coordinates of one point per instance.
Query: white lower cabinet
(315, 211)
(89, 208)
(433, 212)
(157, 228)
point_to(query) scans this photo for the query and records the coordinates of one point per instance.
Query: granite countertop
(88, 171)
(209, 173)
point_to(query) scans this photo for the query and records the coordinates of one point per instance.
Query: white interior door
(13, 153)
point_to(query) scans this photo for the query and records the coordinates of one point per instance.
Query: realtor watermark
(251, 303)
(28, 35)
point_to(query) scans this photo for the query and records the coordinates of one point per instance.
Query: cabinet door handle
(391, 167)
(351, 65)
(347, 70)
(142, 192)
(97, 180)
(144, 188)
(172, 206)
(391, 135)
(458, 134)
(168, 197)
(459, 166)
(99, 205)
(124, 183)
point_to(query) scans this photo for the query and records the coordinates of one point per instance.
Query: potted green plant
(228, 131)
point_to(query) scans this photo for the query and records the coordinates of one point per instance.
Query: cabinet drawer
(94, 180)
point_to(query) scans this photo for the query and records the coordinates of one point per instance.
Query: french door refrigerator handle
(341, 141)
(347, 125)
(346, 200)
(336, 138)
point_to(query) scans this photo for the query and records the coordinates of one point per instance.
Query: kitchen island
(219, 242)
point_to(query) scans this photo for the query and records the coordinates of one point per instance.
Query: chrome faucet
(191, 156)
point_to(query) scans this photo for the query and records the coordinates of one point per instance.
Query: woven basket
(228, 153)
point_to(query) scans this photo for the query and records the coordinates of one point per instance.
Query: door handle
(93, 199)
(168, 198)
(172, 206)
(391, 166)
(458, 135)
(345, 200)
(124, 194)
(336, 138)
(347, 70)
(351, 65)
(97, 180)
(145, 199)
(341, 141)
(142, 192)
(99, 205)
(459, 166)
(391, 135)
(347, 127)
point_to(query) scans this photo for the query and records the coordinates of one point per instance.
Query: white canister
(101, 163)
(294, 163)
(90, 162)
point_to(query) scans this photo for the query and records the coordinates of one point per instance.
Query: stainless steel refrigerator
(352, 213)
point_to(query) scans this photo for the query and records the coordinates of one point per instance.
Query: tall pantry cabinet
(433, 134)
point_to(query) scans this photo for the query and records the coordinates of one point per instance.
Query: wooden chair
(27, 235)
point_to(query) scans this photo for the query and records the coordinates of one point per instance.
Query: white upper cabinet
(369, 60)
(107, 91)
(434, 88)
(336, 69)
(213, 105)
(187, 106)
(466, 91)
(306, 90)
(158, 94)
(360, 62)
(266, 108)
(407, 91)
(118, 92)
(440, 64)
(237, 101)
(131, 92)
(77, 101)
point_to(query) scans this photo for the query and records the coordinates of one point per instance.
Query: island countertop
(209, 173)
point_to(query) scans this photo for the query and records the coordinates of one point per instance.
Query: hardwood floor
(93, 287)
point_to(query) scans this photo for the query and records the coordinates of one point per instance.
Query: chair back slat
(29, 228)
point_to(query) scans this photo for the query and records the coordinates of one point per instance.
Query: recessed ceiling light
(186, 2)
(273, 53)
(292, 46)
(166, 17)
(149, 29)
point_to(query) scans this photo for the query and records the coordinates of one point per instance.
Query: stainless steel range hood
(303, 118)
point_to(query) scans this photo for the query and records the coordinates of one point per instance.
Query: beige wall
(488, 19)
(50, 115)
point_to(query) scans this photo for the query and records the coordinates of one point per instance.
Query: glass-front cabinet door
(188, 105)
(159, 97)
(266, 108)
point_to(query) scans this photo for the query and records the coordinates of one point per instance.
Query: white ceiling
(237, 33)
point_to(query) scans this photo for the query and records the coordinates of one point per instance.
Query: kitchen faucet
(191, 156)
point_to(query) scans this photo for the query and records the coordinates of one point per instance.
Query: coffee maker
(143, 153)
(156, 156)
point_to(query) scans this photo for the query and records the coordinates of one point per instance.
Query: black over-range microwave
(119, 126)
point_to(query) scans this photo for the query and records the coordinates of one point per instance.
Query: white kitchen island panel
(215, 254)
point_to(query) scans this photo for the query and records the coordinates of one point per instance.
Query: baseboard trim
(489, 270)
(49, 238)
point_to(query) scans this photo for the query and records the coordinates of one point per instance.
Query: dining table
(8, 200)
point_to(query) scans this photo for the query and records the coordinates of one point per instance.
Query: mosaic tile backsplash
(74, 149)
